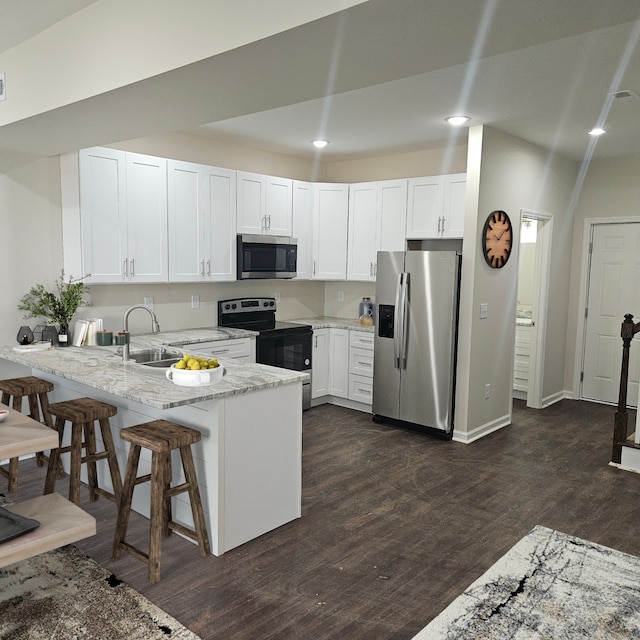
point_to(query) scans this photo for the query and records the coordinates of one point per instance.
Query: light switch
(484, 310)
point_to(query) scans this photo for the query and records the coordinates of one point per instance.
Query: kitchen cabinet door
(103, 215)
(392, 215)
(302, 227)
(363, 231)
(425, 207)
(264, 204)
(220, 224)
(278, 206)
(455, 190)
(320, 363)
(251, 203)
(330, 229)
(146, 187)
(186, 222)
(339, 362)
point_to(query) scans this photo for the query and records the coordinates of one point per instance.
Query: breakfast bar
(249, 459)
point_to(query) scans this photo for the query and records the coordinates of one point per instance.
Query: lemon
(181, 365)
(194, 365)
(213, 363)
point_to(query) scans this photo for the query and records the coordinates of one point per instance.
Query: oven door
(288, 349)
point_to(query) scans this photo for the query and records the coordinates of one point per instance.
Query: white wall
(31, 241)
(611, 190)
(509, 174)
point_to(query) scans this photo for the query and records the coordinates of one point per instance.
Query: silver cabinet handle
(314, 267)
(443, 219)
(133, 270)
(209, 268)
(125, 268)
(202, 268)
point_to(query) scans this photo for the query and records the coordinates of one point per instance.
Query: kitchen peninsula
(249, 461)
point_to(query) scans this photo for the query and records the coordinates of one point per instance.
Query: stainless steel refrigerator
(417, 294)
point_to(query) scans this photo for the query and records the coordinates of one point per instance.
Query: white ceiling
(377, 79)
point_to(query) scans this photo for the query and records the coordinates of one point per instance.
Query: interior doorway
(534, 257)
(613, 290)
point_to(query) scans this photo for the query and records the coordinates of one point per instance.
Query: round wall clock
(497, 239)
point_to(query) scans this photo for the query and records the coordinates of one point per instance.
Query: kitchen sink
(155, 357)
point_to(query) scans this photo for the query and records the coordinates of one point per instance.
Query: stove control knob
(233, 306)
(272, 304)
(306, 361)
(265, 304)
(227, 306)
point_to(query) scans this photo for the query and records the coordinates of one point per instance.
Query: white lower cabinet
(320, 364)
(339, 362)
(242, 349)
(343, 367)
(521, 359)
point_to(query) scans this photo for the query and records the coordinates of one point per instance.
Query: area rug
(549, 585)
(65, 595)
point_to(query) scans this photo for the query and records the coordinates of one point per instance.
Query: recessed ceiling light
(320, 144)
(596, 131)
(457, 121)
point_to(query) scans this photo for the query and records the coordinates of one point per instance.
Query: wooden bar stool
(14, 390)
(161, 437)
(82, 413)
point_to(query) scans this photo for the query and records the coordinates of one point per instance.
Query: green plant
(57, 307)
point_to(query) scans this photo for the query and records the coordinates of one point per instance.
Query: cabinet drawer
(225, 348)
(361, 339)
(361, 362)
(361, 389)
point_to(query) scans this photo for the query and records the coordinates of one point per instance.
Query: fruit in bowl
(195, 371)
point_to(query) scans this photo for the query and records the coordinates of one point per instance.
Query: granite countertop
(328, 322)
(103, 368)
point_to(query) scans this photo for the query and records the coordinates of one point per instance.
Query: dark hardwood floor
(394, 525)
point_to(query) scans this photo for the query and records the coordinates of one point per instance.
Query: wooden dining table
(61, 521)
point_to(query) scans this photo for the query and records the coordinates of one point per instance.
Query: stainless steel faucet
(155, 325)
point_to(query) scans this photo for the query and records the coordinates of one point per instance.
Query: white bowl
(199, 378)
(3, 414)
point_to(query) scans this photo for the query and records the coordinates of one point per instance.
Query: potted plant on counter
(57, 307)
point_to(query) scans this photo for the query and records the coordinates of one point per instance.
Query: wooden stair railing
(620, 425)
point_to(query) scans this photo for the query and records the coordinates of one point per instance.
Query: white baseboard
(466, 437)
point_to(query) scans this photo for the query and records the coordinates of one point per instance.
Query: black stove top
(254, 314)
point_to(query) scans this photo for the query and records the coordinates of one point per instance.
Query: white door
(424, 207)
(302, 228)
(220, 223)
(330, 220)
(278, 206)
(251, 204)
(614, 290)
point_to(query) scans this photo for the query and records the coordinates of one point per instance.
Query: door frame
(585, 274)
(540, 304)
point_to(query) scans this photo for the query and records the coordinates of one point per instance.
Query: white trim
(585, 267)
(540, 304)
(547, 401)
(466, 437)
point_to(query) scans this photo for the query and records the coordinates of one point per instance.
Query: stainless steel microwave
(266, 257)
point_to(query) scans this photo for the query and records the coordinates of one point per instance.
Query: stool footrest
(185, 531)
(177, 490)
(134, 551)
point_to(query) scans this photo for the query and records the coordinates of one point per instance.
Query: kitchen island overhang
(249, 460)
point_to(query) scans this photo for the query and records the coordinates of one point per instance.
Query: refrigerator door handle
(404, 319)
(397, 327)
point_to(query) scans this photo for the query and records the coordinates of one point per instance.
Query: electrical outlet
(148, 300)
(276, 295)
(340, 296)
(487, 391)
(3, 86)
(195, 302)
(484, 310)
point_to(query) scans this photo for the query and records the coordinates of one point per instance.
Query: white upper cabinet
(435, 207)
(330, 216)
(186, 222)
(455, 191)
(220, 223)
(201, 223)
(303, 227)
(147, 218)
(377, 221)
(363, 231)
(123, 214)
(264, 204)
(102, 215)
(392, 215)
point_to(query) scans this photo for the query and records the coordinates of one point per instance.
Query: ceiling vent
(625, 94)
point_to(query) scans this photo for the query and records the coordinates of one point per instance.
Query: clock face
(497, 239)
